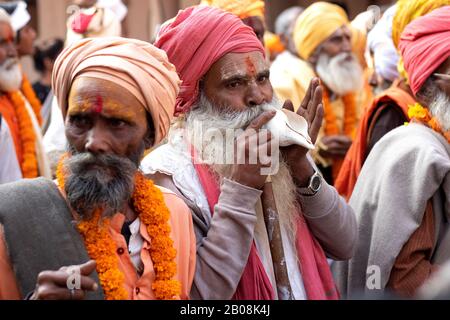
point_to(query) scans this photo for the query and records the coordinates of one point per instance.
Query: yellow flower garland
(422, 115)
(148, 201)
(29, 165)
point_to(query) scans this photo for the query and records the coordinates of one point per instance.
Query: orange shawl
(356, 155)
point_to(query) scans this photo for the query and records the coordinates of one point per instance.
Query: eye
(80, 121)
(263, 78)
(234, 84)
(117, 123)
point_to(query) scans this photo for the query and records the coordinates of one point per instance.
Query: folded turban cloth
(241, 8)
(196, 39)
(408, 10)
(379, 41)
(425, 45)
(139, 67)
(314, 25)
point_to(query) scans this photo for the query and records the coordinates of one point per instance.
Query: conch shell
(290, 128)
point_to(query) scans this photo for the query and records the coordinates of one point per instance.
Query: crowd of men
(225, 161)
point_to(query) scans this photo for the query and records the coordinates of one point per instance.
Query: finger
(50, 292)
(65, 279)
(288, 105)
(316, 124)
(307, 96)
(261, 120)
(88, 267)
(315, 102)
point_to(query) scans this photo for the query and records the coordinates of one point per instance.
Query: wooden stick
(271, 218)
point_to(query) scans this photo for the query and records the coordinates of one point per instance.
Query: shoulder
(179, 211)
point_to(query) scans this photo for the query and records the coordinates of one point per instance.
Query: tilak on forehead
(250, 65)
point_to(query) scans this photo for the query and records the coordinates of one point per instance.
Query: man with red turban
(402, 193)
(225, 99)
(103, 230)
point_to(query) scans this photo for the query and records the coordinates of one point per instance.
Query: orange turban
(139, 67)
(314, 25)
(241, 8)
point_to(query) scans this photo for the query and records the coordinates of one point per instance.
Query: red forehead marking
(250, 66)
(98, 107)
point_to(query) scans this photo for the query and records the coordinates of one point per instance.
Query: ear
(313, 58)
(149, 139)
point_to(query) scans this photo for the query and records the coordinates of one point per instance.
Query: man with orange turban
(322, 37)
(401, 196)
(226, 96)
(103, 220)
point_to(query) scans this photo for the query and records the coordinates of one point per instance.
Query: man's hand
(250, 143)
(335, 146)
(311, 109)
(53, 285)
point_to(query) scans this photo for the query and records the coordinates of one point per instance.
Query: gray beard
(10, 76)
(340, 76)
(440, 109)
(205, 116)
(104, 182)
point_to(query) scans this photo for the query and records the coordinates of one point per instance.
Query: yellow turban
(241, 8)
(318, 22)
(408, 10)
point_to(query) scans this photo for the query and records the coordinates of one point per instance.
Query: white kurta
(9, 165)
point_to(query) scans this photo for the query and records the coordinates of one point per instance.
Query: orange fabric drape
(9, 115)
(331, 125)
(356, 155)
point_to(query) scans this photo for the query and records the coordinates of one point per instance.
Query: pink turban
(139, 67)
(425, 45)
(196, 39)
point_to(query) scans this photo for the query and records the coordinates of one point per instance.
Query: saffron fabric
(241, 8)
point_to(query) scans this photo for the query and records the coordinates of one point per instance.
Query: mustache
(103, 182)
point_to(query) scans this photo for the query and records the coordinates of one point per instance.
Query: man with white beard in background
(401, 197)
(225, 85)
(322, 38)
(16, 111)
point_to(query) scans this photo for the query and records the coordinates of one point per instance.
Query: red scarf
(254, 283)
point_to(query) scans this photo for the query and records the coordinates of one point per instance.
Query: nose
(373, 80)
(346, 44)
(254, 96)
(97, 141)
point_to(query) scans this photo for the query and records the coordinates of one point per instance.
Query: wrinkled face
(238, 81)
(257, 25)
(102, 119)
(25, 46)
(338, 42)
(7, 48)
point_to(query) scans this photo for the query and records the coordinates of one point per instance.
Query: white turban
(379, 41)
(18, 13)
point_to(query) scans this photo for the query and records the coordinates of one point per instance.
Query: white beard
(206, 116)
(10, 76)
(340, 76)
(440, 109)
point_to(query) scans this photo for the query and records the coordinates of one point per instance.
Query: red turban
(425, 45)
(196, 39)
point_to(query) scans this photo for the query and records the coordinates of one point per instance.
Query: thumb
(288, 105)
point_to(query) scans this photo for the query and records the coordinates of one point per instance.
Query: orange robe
(356, 155)
(138, 287)
(9, 115)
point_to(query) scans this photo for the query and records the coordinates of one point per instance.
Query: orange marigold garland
(423, 115)
(149, 203)
(350, 117)
(29, 163)
(30, 95)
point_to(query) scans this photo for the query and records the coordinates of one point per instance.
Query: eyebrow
(112, 115)
(243, 76)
